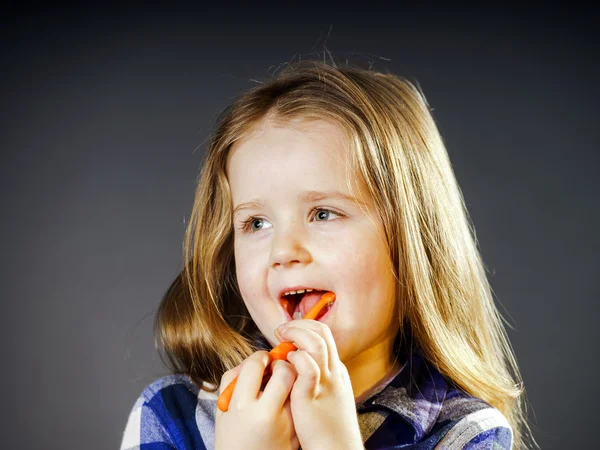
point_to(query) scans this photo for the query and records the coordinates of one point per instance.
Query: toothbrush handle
(279, 352)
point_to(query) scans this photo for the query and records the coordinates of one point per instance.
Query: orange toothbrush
(279, 352)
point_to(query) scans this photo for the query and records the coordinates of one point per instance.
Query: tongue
(308, 301)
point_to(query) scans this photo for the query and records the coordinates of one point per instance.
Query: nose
(289, 247)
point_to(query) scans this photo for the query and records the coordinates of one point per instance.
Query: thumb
(228, 377)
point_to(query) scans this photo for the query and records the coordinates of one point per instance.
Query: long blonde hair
(445, 300)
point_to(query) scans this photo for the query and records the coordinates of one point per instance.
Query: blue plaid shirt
(418, 409)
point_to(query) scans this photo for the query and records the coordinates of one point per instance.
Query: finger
(226, 380)
(249, 379)
(312, 343)
(280, 385)
(324, 331)
(228, 377)
(307, 381)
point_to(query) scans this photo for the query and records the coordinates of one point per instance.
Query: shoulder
(421, 409)
(470, 423)
(177, 388)
(171, 412)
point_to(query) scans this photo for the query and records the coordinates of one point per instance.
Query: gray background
(104, 114)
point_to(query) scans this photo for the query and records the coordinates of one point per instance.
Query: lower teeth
(299, 315)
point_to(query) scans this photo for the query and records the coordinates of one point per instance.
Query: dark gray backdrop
(103, 116)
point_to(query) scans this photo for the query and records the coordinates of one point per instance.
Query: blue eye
(253, 224)
(323, 214)
(248, 226)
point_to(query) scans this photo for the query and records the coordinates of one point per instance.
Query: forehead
(300, 137)
(297, 154)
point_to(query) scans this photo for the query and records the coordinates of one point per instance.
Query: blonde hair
(445, 300)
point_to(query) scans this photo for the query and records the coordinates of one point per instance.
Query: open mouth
(297, 304)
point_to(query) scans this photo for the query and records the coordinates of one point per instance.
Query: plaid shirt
(418, 409)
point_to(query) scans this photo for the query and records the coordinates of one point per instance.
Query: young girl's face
(296, 224)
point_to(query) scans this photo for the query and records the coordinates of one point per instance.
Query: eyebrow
(305, 196)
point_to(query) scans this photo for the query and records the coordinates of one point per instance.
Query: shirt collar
(416, 394)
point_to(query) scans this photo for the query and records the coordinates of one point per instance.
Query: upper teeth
(299, 291)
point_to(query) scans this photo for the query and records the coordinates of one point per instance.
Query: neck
(370, 368)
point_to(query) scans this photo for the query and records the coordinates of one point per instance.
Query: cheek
(364, 260)
(246, 269)
(366, 273)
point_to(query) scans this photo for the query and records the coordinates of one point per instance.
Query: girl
(331, 179)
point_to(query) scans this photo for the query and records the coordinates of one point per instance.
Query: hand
(257, 420)
(322, 399)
